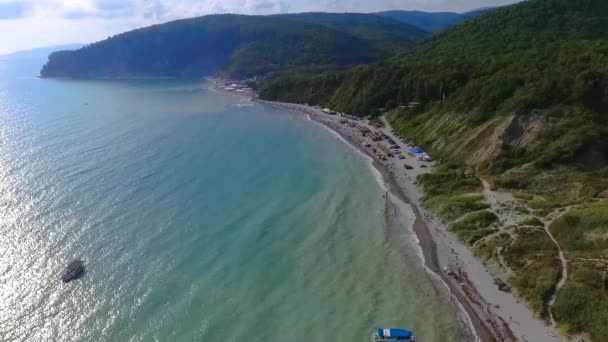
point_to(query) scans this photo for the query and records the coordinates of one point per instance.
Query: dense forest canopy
(370, 26)
(433, 21)
(238, 46)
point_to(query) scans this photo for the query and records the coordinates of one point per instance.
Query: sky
(27, 24)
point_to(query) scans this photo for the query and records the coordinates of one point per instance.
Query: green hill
(542, 55)
(433, 21)
(518, 96)
(385, 32)
(237, 45)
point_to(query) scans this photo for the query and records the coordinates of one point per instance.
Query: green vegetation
(520, 96)
(583, 231)
(455, 206)
(488, 249)
(449, 179)
(533, 258)
(539, 64)
(474, 226)
(434, 21)
(451, 193)
(290, 87)
(454, 195)
(547, 190)
(532, 221)
(238, 46)
(582, 303)
(502, 286)
(382, 30)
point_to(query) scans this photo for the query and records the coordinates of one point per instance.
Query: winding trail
(563, 275)
(494, 200)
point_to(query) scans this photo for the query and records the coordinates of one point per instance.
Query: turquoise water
(200, 216)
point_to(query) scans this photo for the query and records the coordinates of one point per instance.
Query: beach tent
(416, 150)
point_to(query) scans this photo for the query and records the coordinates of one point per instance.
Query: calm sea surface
(200, 217)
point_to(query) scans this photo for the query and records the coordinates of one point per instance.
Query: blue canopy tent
(395, 333)
(416, 150)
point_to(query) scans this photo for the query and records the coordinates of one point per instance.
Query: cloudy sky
(26, 24)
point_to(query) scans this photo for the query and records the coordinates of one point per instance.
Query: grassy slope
(583, 303)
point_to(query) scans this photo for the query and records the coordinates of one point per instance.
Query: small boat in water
(393, 335)
(73, 271)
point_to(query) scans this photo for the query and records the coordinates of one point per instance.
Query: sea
(199, 215)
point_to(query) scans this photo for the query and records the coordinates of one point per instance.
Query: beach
(493, 315)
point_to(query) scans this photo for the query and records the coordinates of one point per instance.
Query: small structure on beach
(375, 136)
(364, 130)
(416, 150)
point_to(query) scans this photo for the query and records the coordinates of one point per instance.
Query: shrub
(532, 221)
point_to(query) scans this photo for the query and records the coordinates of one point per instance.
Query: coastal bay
(308, 176)
(198, 214)
(491, 313)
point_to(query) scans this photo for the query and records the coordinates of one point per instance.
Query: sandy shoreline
(425, 240)
(494, 315)
(487, 314)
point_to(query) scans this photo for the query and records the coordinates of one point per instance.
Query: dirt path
(496, 201)
(385, 121)
(563, 275)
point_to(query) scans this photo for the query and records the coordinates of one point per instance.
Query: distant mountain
(375, 28)
(237, 45)
(433, 21)
(42, 52)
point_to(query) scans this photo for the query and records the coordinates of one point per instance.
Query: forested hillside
(385, 32)
(519, 97)
(238, 46)
(433, 21)
(543, 55)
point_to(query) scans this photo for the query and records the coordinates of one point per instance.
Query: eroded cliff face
(522, 130)
(506, 141)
